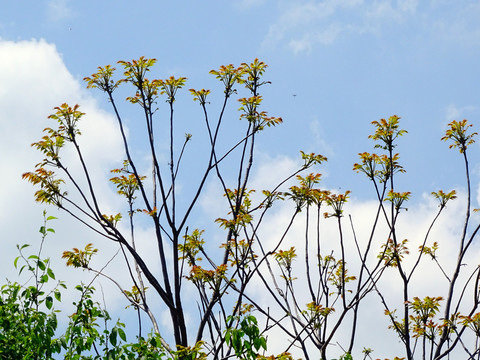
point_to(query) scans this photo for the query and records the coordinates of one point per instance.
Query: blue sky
(349, 62)
(335, 66)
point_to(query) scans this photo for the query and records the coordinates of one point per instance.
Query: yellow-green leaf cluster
(458, 132)
(80, 258)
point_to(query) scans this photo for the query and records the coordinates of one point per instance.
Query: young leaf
(16, 261)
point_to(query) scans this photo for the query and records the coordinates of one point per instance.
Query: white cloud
(320, 143)
(248, 4)
(58, 10)
(454, 112)
(306, 43)
(408, 5)
(303, 25)
(458, 25)
(386, 11)
(33, 80)
(306, 17)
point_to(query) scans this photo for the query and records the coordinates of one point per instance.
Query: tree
(418, 322)
(28, 324)
(29, 317)
(335, 292)
(159, 198)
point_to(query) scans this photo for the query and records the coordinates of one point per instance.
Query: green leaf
(49, 302)
(41, 265)
(21, 269)
(259, 342)
(50, 273)
(122, 335)
(153, 342)
(113, 337)
(58, 295)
